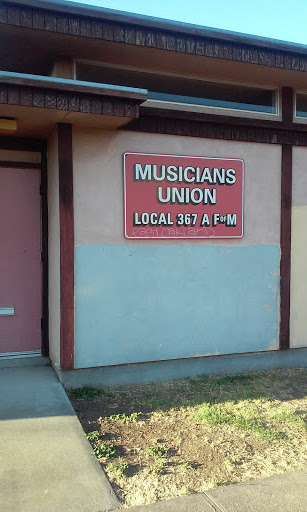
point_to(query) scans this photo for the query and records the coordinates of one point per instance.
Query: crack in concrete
(216, 507)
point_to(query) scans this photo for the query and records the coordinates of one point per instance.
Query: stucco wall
(54, 249)
(298, 318)
(149, 300)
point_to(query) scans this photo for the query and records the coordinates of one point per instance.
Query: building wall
(298, 318)
(54, 249)
(150, 300)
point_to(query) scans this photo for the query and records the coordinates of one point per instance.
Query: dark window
(182, 90)
(301, 104)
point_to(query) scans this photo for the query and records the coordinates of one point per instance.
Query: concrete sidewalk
(280, 493)
(46, 464)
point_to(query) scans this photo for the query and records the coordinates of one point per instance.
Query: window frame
(193, 107)
(296, 117)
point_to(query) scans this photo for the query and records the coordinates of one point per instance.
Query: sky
(279, 19)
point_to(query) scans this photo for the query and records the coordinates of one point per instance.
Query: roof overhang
(151, 22)
(38, 102)
(96, 23)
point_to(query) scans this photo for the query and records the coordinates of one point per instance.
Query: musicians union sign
(170, 196)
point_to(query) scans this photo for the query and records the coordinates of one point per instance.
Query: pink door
(20, 261)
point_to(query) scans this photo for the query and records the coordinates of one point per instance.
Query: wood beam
(67, 245)
(285, 224)
(285, 247)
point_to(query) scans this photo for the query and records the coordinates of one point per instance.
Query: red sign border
(180, 237)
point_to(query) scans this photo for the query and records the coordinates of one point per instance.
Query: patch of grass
(88, 393)
(232, 379)
(228, 387)
(289, 416)
(123, 418)
(221, 381)
(196, 381)
(248, 426)
(246, 415)
(118, 468)
(104, 450)
(93, 436)
(161, 403)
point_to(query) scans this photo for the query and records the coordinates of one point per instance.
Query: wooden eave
(142, 31)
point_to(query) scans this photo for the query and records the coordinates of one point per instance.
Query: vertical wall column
(67, 244)
(285, 225)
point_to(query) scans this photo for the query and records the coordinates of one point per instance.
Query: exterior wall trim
(285, 224)
(238, 120)
(220, 127)
(285, 247)
(67, 246)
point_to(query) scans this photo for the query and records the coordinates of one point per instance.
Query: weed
(157, 467)
(156, 451)
(229, 463)
(232, 461)
(93, 436)
(217, 483)
(123, 418)
(104, 450)
(87, 393)
(118, 468)
(187, 465)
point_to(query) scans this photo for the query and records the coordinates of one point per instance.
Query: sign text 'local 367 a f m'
(170, 196)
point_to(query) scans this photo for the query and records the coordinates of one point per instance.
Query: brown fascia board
(65, 95)
(63, 84)
(150, 22)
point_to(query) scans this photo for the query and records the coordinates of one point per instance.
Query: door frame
(39, 146)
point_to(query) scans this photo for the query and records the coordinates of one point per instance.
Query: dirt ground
(159, 441)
